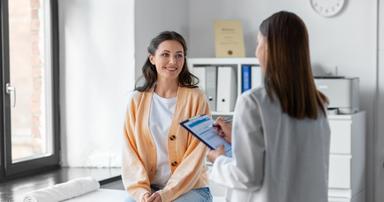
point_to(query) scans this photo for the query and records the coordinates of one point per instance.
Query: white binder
(200, 73)
(210, 86)
(226, 89)
(257, 78)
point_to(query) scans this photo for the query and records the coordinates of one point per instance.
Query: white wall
(204, 13)
(97, 72)
(347, 41)
(153, 17)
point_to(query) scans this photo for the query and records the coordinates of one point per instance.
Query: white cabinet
(339, 171)
(347, 158)
(341, 143)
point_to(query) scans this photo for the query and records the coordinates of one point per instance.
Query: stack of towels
(63, 191)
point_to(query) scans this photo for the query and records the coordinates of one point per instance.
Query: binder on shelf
(245, 78)
(226, 89)
(200, 73)
(257, 78)
(210, 86)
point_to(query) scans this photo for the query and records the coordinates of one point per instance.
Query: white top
(161, 114)
(276, 158)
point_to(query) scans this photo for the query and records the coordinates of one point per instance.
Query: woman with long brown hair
(280, 135)
(161, 160)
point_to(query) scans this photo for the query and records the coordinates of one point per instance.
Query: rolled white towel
(63, 191)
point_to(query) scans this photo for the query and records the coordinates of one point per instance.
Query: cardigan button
(173, 137)
(174, 163)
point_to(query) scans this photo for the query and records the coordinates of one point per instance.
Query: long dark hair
(185, 79)
(288, 72)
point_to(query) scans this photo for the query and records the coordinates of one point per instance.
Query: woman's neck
(166, 88)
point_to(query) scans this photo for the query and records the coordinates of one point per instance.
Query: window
(29, 80)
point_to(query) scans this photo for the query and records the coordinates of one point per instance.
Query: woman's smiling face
(169, 59)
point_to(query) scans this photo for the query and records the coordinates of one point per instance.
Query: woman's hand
(155, 197)
(214, 154)
(146, 197)
(224, 128)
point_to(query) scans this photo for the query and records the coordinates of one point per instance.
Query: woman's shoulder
(256, 93)
(257, 98)
(250, 99)
(133, 99)
(134, 96)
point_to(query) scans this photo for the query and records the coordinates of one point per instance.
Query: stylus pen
(226, 120)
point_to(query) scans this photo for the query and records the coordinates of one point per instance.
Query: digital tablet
(202, 128)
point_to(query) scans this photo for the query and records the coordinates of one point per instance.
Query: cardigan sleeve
(245, 170)
(191, 167)
(134, 175)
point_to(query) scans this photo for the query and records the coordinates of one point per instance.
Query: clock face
(327, 8)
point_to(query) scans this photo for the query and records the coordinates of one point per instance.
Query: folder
(226, 89)
(245, 77)
(199, 72)
(257, 77)
(210, 86)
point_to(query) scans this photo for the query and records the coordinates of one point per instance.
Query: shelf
(221, 79)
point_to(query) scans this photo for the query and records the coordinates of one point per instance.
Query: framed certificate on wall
(229, 38)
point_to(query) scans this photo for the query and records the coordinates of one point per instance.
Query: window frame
(9, 170)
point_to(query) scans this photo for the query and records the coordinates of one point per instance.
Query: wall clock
(328, 8)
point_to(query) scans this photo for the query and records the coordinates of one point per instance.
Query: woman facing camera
(161, 160)
(280, 133)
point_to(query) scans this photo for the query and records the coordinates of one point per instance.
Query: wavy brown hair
(186, 78)
(288, 74)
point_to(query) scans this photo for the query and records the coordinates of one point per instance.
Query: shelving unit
(235, 63)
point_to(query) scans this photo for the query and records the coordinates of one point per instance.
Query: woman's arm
(245, 170)
(134, 175)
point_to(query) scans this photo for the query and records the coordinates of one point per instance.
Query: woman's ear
(151, 59)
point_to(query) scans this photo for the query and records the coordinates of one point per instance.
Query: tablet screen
(202, 128)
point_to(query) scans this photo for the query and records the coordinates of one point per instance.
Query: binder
(257, 77)
(200, 73)
(210, 86)
(245, 77)
(226, 89)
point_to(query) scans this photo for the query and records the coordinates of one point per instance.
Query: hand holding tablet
(202, 128)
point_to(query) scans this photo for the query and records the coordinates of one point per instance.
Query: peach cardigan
(186, 153)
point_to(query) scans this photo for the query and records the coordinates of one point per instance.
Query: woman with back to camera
(280, 134)
(161, 160)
